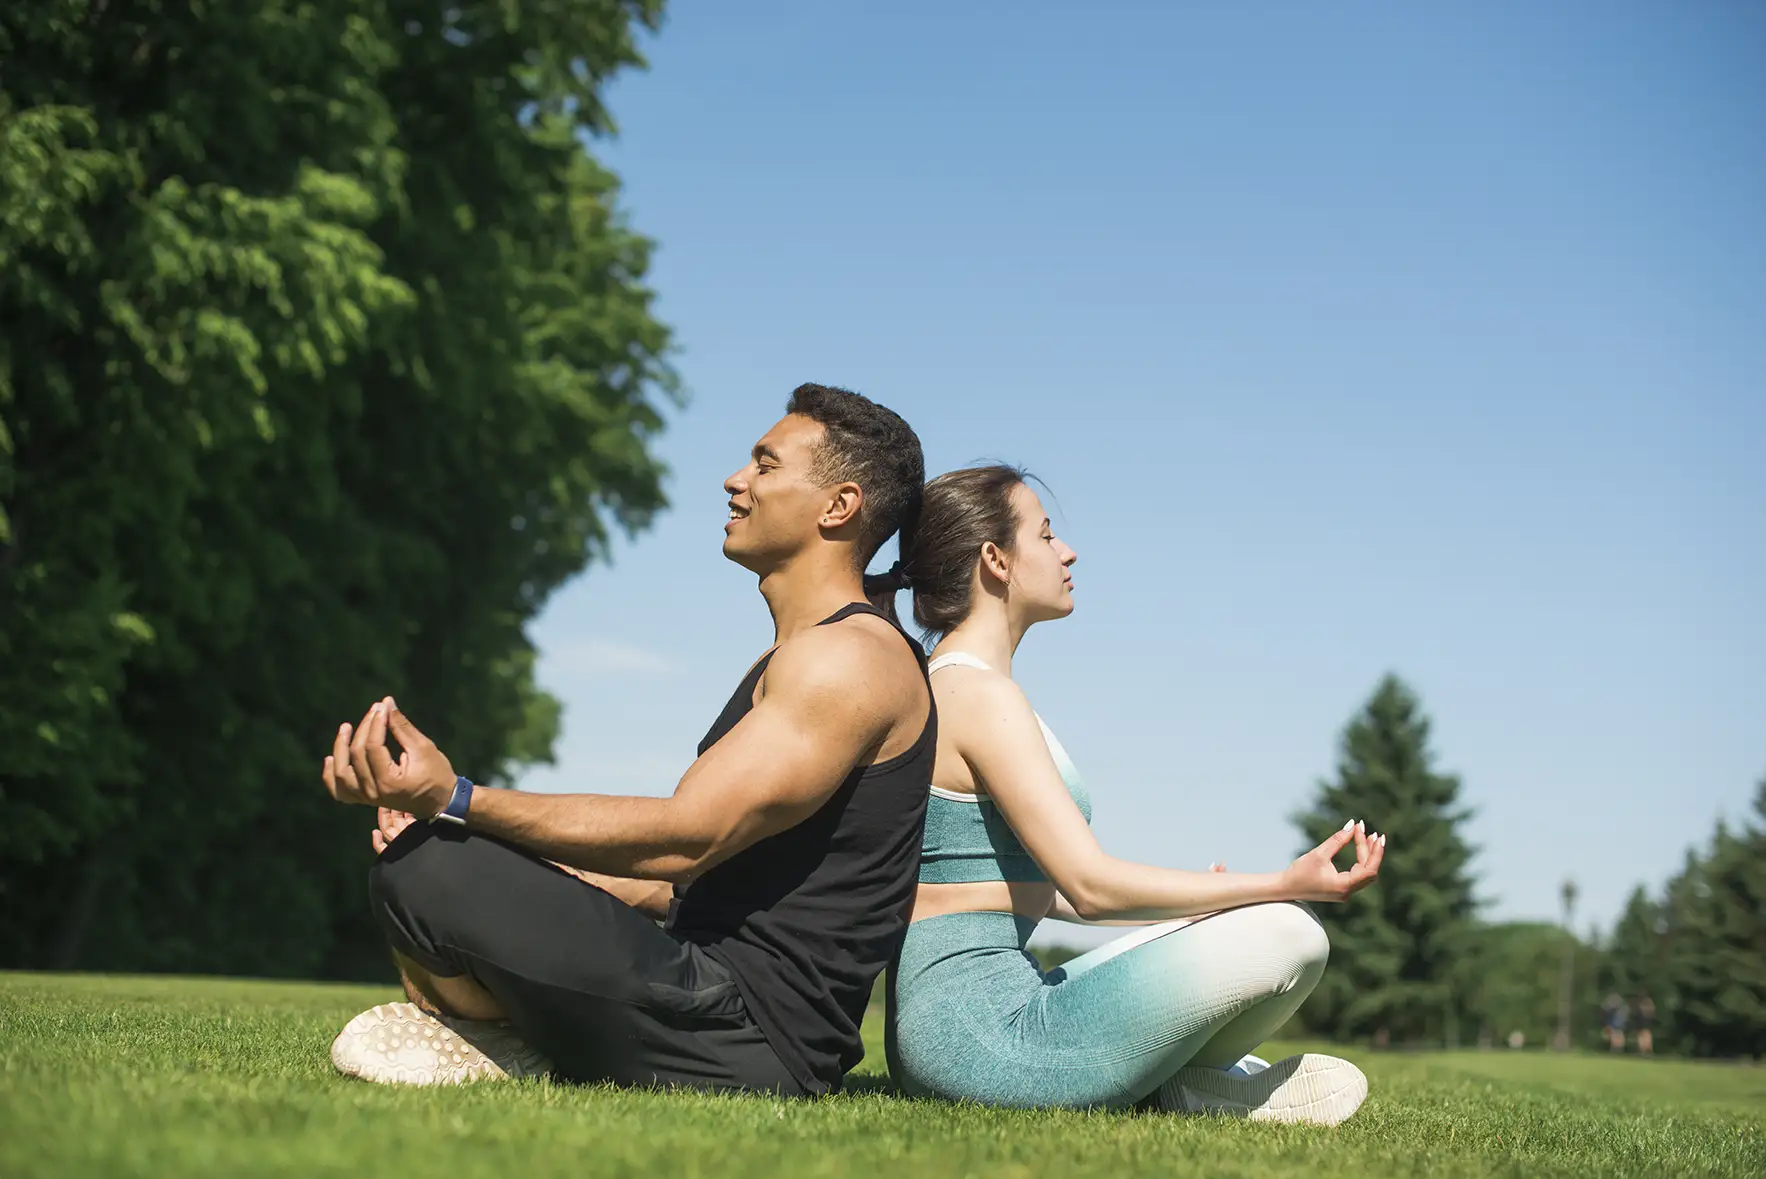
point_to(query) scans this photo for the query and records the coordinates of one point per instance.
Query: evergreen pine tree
(1719, 951)
(1399, 950)
(1679, 936)
(1637, 962)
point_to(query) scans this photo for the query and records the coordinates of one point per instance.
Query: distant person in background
(1163, 1016)
(1614, 1010)
(1646, 1022)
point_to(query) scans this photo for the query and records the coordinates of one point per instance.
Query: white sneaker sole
(1311, 1088)
(401, 1044)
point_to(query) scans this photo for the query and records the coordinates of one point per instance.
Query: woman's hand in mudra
(1314, 876)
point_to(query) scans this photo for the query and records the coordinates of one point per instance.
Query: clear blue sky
(1352, 338)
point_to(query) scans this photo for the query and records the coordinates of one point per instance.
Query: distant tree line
(1412, 963)
(1698, 948)
(325, 356)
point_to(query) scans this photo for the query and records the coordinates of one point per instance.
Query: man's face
(776, 501)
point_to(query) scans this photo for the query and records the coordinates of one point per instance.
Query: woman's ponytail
(881, 588)
(959, 512)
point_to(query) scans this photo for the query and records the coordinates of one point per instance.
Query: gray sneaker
(401, 1044)
(1321, 1090)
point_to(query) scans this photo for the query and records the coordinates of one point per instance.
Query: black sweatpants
(585, 978)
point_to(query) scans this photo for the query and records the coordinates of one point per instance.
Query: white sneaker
(401, 1044)
(1322, 1090)
(1246, 1065)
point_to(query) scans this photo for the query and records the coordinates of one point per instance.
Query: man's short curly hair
(870, 445)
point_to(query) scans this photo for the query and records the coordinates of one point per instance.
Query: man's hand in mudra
(361, 770)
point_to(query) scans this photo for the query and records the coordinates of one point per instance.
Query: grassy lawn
(170, 1076)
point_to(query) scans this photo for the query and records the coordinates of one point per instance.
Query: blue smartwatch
(455, 811)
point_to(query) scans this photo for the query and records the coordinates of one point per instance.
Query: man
(525, 925)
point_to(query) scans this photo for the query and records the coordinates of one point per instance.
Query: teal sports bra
(967, 840)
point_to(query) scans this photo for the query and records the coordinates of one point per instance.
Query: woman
(1164, 1015)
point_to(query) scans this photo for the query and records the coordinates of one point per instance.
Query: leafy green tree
(1398, 949)
(1514, 978)
(325, 356)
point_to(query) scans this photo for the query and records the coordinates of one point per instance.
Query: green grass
(187, 1077)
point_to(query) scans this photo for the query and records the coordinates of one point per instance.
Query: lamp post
(1567, 984)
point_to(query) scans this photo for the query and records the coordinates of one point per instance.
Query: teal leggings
(971, 1016)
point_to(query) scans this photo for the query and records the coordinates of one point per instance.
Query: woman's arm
(996, 733)
(1062, 909)
(649, 897)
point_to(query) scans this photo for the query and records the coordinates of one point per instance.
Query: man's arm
(831, 698)
(820, 714)
(650, 897)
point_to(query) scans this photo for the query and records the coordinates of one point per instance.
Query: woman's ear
(995, 562)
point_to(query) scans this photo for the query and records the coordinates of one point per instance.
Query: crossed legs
(484, 931)
(455, 995)
(1108, 1028)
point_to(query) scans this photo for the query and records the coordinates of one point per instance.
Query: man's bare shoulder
(861, 658)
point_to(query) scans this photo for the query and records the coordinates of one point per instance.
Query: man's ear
(995, 563)
(844, 502)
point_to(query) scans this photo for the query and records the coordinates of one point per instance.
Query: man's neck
(803, 592)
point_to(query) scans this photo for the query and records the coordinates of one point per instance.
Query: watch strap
(458, 805)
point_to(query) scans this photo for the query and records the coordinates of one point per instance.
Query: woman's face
(1041, 569)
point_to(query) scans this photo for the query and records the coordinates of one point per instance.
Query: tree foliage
(1719, 933)
(1636, 961)
(1514, 983)
(1399, 949)
(325, 356)
(1699, 950)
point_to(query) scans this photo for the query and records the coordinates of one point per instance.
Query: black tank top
(807, 919)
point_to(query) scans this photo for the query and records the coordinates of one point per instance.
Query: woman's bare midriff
(1024, 898)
